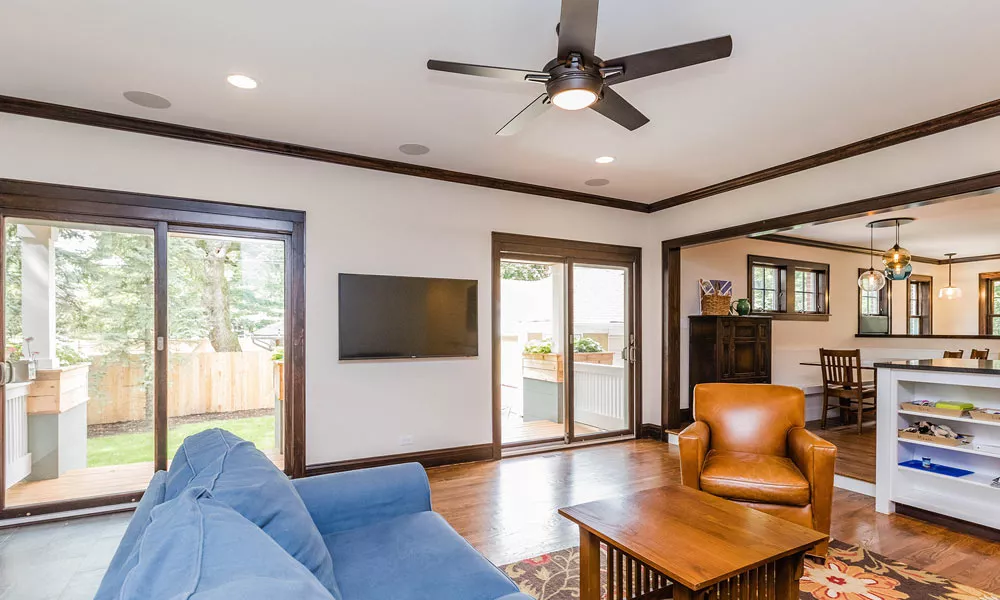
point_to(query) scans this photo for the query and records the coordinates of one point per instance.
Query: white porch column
(558, 314)
(38, 291)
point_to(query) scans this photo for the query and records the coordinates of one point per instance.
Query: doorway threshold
(551, 447)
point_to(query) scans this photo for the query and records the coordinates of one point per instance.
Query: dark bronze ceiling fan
(578, 79)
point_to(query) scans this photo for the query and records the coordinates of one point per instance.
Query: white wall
(797, 341)
(356, 221)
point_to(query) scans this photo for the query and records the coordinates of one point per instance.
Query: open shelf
(972, 479)
(966, 449)
(931, 417)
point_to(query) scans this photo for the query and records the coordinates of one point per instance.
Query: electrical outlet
(406, 440)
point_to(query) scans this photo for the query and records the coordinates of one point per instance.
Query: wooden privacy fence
(197, 383)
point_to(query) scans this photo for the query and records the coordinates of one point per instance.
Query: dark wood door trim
(87, 205)
(161, 354)
(670, 409)
(93, 118)
(884, 140)
(567, 251)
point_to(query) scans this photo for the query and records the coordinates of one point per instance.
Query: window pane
(914, 326)
(758, 277)
(996, 326)
(771, 278)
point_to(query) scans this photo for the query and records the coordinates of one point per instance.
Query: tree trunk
(216, 297)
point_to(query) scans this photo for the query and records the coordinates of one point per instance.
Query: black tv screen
(407, 317)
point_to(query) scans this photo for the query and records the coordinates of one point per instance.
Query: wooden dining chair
(954, 354)
(980, 354)
(842, 381)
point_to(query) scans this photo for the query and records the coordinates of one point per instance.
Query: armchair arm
(815, 457)
(343, 501)
(694, 445)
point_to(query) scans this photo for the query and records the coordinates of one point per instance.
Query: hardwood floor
(855, 453)
(507, 509)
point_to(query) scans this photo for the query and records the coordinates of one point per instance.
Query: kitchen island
(905, 391)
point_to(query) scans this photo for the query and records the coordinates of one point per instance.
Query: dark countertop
(953, 365)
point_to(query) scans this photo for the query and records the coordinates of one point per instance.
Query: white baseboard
(854, 485)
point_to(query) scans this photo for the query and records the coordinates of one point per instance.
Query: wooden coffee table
(707, 547)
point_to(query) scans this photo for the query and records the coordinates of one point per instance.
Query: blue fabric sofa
(225, 523)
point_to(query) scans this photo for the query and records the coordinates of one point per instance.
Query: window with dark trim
(989, 303)
(788, 289)
(919, 309)
(874, 310)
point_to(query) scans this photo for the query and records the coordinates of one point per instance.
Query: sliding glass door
(79, 302)
(131, 322)
(603, 350)
(564, 342)
(226, 319)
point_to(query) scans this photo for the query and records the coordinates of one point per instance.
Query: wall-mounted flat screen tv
(407, 317)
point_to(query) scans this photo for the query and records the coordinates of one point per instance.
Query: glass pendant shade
(896, 258)
(899, 274)
(871, 280)
(950, 293)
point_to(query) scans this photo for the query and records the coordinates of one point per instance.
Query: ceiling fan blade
(616, 108)
(649, 63)
(482, 71)
(527, 114)
(577, 27)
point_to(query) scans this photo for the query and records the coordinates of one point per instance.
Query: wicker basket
(715, 304)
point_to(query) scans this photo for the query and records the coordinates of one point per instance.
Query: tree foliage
(524, 271)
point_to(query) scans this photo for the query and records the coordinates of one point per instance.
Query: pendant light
(897, 259)
(951, 292)
(871, 280)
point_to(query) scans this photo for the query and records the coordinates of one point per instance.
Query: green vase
(740, 307)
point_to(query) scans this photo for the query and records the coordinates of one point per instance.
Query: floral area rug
(850, 573)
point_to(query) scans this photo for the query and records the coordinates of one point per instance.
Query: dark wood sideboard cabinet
(729, 350)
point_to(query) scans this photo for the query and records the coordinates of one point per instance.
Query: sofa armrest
(694, 444)
(816, 458)
(342, 501)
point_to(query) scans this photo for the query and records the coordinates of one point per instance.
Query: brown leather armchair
(748, 444)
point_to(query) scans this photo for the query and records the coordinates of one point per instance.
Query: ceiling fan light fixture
(574, 99)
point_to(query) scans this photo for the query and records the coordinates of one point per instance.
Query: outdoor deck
(515, 430)
(89, 483)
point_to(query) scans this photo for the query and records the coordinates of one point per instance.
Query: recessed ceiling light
(242, 81)
(596, 182)
(146, 100)
(603, 160)
(414, 149)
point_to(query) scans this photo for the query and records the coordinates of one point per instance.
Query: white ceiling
(804, 77)
(966, 226)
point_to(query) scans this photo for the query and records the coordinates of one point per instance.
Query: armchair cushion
(754, 478)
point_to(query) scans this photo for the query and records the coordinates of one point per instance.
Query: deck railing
(15, 435)
(601, 396)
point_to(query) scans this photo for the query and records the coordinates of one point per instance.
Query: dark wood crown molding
(878, 142)
(787, 239)
(922, 196)
(93, 118)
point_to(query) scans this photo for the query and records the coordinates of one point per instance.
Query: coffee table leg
(788, 570)
(590, 566)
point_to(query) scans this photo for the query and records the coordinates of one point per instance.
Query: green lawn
(128, 448)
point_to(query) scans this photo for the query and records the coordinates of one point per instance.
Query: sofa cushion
(196, 547)
(242, 477)
(413, 557)
(754, 478)
(151, 498)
